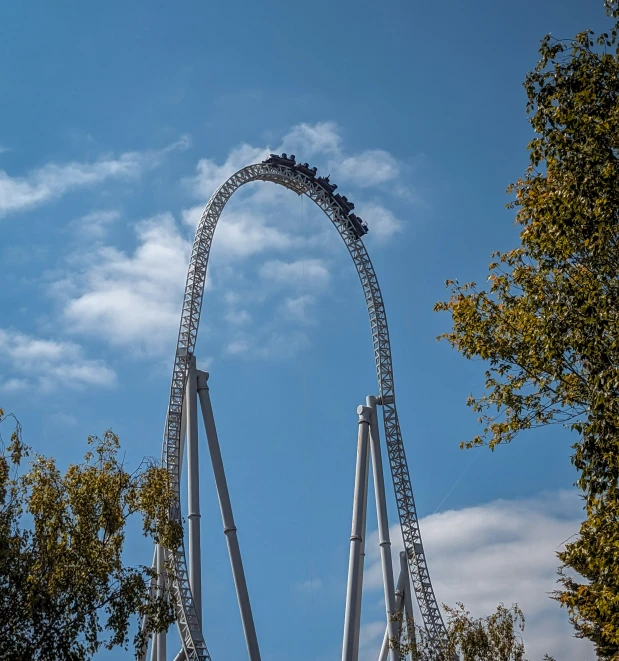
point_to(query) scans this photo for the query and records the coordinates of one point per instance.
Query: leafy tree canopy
(496, 637)
(65, 591)
(547, 323)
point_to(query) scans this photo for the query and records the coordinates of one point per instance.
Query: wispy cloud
(249, 229)
(265, 345)
(95, 224)
(48, 363)
(130, 299)
(241, 234)
(237, 317)
(54, 180)
(368, 168)
(241, 343)
(384, 223)
(365, 169)
(209, 175)
(313, 139)
(503, 551)
(298, 308)
(265, 220)
(304, 273)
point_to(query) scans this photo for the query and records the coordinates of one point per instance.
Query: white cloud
(371, 167)
(131, 300)
(267, 219)
(312, 139)
(368, 168)
(241, 343)
(240, 234)
(307, 273)
(282, 346)
(249, 228)
(191, 216)
(237, 317)
(53, 180)
(61, 419)
(14, 385)
(210, 175)
(297, 308)
(94, 225)
(504, 551)
(48, 363)
(382, 222)
(265, 345)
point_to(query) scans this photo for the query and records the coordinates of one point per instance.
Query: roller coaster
(190, 385)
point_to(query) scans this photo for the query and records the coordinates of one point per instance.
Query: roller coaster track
(191, 634)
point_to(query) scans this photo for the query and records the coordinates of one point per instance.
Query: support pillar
(383, 525)
(151, 595)
(350, 647)
(400, 597)
(408, 602)
(228, 520)
(159, 647)
(193, 487)
(362, 552)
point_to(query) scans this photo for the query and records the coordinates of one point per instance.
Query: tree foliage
(496, 637)
(65, 591)
(547, 323)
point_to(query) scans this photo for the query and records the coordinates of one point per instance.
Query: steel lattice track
(188, 622)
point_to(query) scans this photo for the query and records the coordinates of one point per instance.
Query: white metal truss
(187, 617)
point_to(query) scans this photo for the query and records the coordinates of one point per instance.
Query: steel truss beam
(187, 615)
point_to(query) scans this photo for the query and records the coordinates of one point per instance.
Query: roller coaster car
(344, 203)
(305, 169)
(359, 226)
(274, 159)
(326, 184)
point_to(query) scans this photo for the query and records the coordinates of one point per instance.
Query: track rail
(188, 622)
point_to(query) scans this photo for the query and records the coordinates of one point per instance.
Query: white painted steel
(408, 603)
(160, 638)
(362, 554)
(384, 540)
(234, 551)
(187, 617)
(193, 488)
(350, 646)
(399, 602)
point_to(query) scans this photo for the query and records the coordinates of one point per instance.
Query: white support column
(399, 607)
(383, 524)
(350, 647)
(151, 594)
(193, 488)
(228, 520)
(408, 602)
(159, 647)
(362, 553)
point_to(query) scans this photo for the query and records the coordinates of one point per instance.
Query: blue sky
(119, 120)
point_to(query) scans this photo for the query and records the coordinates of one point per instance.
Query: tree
(65, 591)
(548, 321)
(493, 638)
